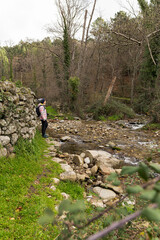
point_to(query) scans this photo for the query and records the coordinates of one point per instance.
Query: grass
(25, 192)
(52, 114)
(72, 188)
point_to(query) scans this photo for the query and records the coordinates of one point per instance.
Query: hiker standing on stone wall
(43, 116)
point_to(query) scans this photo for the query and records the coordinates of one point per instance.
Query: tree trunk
(109, 90)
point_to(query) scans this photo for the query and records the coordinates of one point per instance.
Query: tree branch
(127, 37)
(150, 51)
(118, 224)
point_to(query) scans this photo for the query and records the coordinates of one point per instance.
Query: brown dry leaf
(18, 209)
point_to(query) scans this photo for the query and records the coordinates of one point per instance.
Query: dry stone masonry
(17, 115)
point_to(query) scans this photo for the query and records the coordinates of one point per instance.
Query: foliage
(66, 49)
(152, 126)
(155, 111)
(3, 62)
(18, 84)
(120, 110)
(71, 188)
(74, 213)
(73, 83)
(51, 112)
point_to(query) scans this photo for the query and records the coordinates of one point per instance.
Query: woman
(43, 116)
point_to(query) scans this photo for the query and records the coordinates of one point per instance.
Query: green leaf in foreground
(64, 206)
(116, 183)
(112, 177)
(148, 194)
(157, 187)
(151, 214)
(47, 218)
(143, 171)
(155, 167)
(135, 189)
(129, 170)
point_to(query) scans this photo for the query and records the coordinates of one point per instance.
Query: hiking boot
(45, 136)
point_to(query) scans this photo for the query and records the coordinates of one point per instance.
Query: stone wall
(17, 116)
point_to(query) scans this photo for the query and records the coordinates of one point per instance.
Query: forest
(117, 58)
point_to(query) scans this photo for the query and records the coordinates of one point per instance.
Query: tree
(70, 12)
(149, 72)
(3, 62)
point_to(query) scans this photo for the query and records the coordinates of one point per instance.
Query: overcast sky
(27, 19)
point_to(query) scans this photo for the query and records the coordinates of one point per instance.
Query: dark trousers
(44, 126)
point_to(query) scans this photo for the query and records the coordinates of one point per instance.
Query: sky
(27, 19)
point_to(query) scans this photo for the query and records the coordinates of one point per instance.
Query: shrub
(155, 111)
(120, 110)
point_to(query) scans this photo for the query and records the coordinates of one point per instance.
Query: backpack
(37, 111)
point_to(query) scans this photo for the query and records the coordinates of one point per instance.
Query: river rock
(51, 148)
(87, 160)
(81, 177)
(108, 161)
(96, 154)
(105, 170)
(97, 203)
(65, 138)
(71, 176)
(94, 169)
(57, 160)
(117, 189)
(78, 160)
(104, 193)
(66, 167)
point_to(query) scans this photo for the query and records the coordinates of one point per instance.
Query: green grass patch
(25, 191)
(112, 108)
(52, 113)
(71, 188)
(152, 126)
(115, 117)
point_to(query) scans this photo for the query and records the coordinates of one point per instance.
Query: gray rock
(87, 160)
(65, 195)
(56, 180)
(3, 123)
(4, 140)
(66, 167)
(81, 177)
(24, 130)
(104, 193)
(78, 160)
(97, 203)
(53, 187)
(10, 129)
(71, 176)
(65, 138)
(94, 169)
(14, 138)
(3, 152)
(57, 160)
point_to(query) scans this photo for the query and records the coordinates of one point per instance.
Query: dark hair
(41, 100)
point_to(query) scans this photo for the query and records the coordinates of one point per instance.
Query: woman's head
(42, 100)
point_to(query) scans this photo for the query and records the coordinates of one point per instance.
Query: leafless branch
(150, 51)
(118, 224)
(127, 37)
